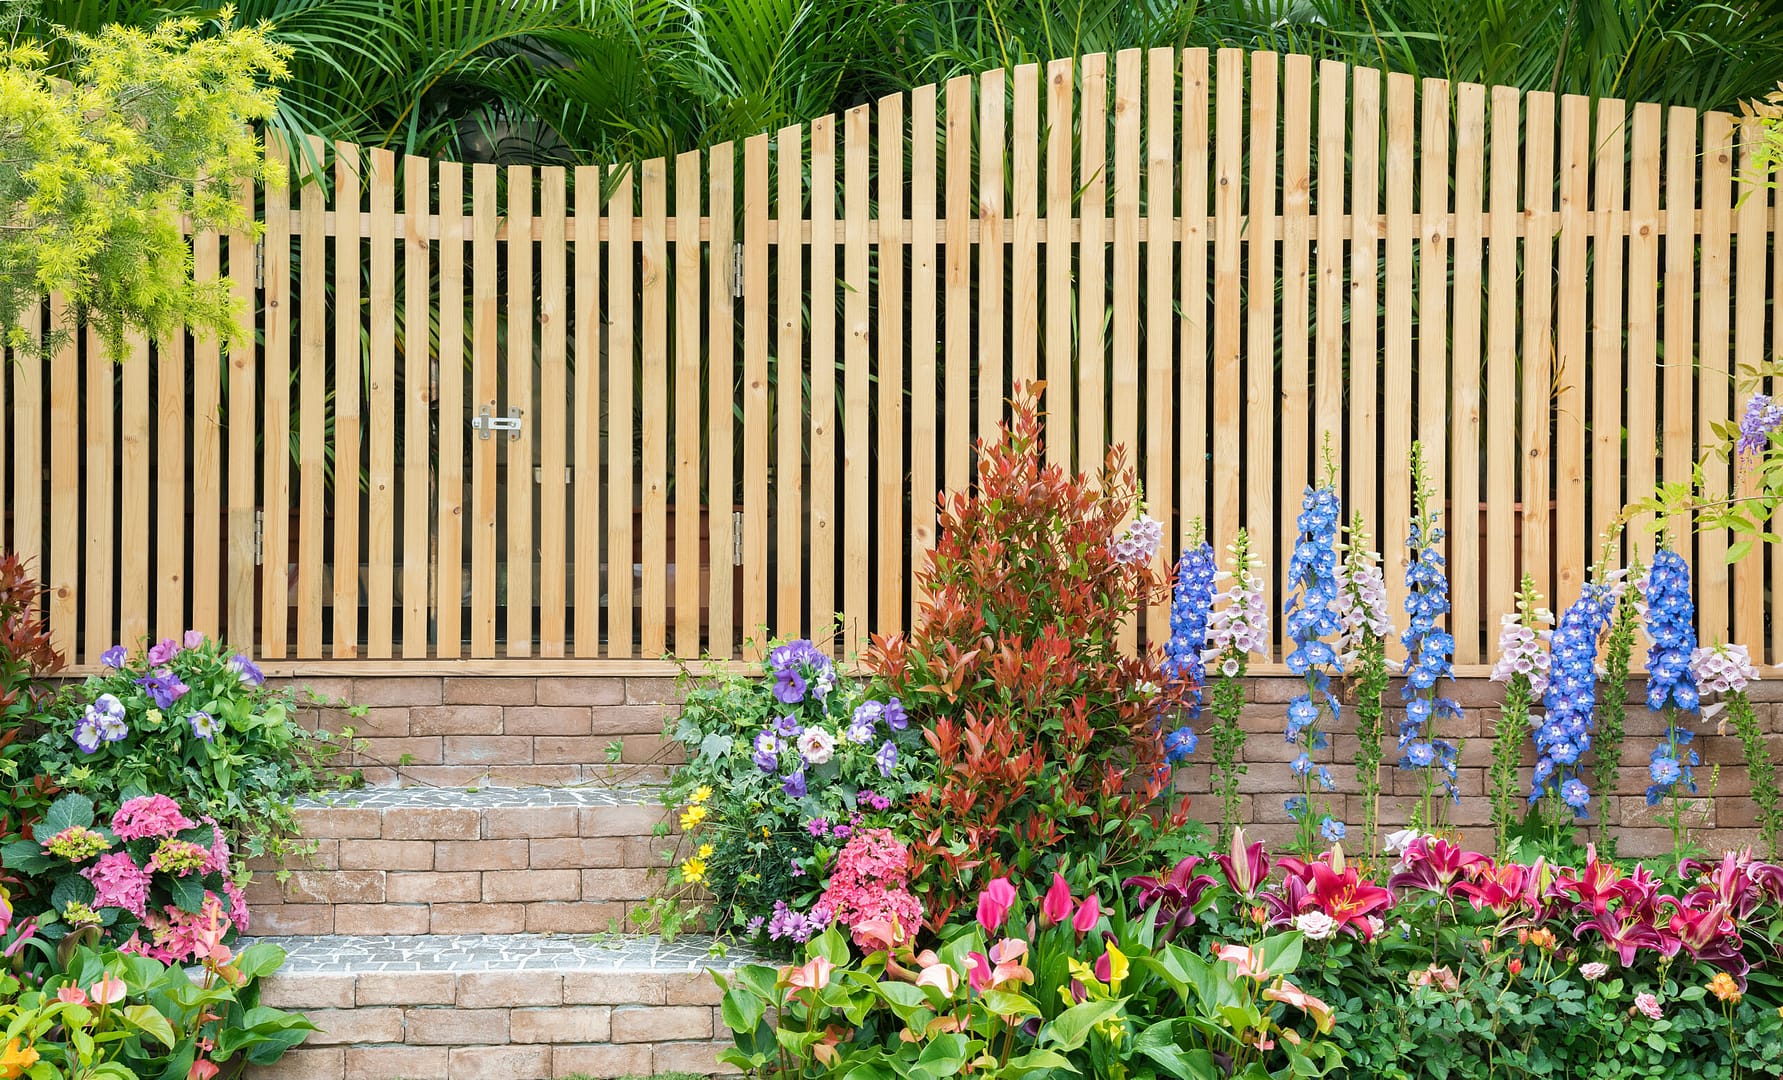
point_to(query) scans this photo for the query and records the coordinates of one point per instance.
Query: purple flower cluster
(103, 722)
(1563, 738)
(1428, 648)
(1138, 544)
(1190, 604)
(795, 926)
(1312, 615)
(800, 669)
(164, 686)
(1722, 669)
(1671, 682)
(1763, 416)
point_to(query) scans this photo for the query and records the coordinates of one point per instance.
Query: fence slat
(857, 462)
(1228, 400)
(448, 604)
(1538, 342)
(755, 393)
(275, 421)
(1364, 281)
(721, 364)
(27, 428)
(585, 470)
(518, 379)
(417, 378)
(554, 404)
(242, 581)
(1024, 195)
(1714, 377)
(100, 627)
(1396, 346)
(889, 451)
(789, 373)
(173, 537)
(1677, 301)
(1435, 420)
(1192, 357)
(1328, 375)
(312, 362)
(823, 384)
(1092, 272)
(1503, 567)
(133, 499)
(1123, 301)
(1262, 401)
(925, 345)
(1643, 312)
(1297, 377)
(1571, 304)
(62, 575)
(485, 375)
(990, 380)
(380, 516)
(1160, 328)
(349, 267)
(653, 419)
(1060, 127)
(688, 347)
(1748, 351)
(1464, 523)
(1609, 155)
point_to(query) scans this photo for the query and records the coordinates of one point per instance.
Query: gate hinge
(260, 264)
(259, 537)
(737, 270)
(737, 538)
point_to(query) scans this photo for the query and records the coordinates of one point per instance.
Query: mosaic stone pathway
(462, 953)
(487, 798)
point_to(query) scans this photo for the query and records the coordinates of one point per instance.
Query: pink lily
(1245, 866)
(109, 990)
(1248, 961)
(813, 975)
(1055, 906)
(1087, 915)
(994, 904)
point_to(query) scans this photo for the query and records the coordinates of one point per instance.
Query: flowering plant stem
(1610, 718)
(1228, 744)
(1507, 757)
(1759, 768)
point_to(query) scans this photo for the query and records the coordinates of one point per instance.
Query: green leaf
(71, 889)
(1035, 1061)
(188, 893)
(65, 813)
(945, 1055)
(27, 857)
(1739, 551)
(1071, 1028)
(742, 1010)
(148, 1020)
(1007, 1004)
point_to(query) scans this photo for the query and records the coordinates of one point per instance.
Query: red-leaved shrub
(1045, 733)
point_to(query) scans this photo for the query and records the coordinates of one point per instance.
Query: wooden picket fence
(741, 375)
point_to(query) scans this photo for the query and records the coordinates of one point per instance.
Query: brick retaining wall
(521, 731)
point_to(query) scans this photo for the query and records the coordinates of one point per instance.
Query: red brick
(620, 820)
(505, 989)
(395, 1062)
(431, 823)
(655, 852)
(334, 887)
(308, 990)
(652, 691)
(581, 691)
(488, 750)
(643, 1023)
(576, 853)
(398, 752)
(463, 887)
(605, 1062)
(343, 1026)
(631, 719)
(547, 720)
(407, 988)
(700, 1058)
(384, 723)
(480, 855)
(573, 1024)
(651, 749)
(316, 689)
(610, 988)
(620, 884)
(505, 1062)
(306, 1063)
(693, 988)
(511, 822)
(478, 919)
(573, 917)
(507, 886)
(392, 690)
(457, 1026)
(456, 720)
(489, 691)
(291, 919)
(316, 822)
(570, 749)
(374, 919)
(386, 855)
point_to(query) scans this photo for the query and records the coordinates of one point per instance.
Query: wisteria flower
(1762, 417)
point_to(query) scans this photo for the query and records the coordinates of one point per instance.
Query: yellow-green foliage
(100, 160)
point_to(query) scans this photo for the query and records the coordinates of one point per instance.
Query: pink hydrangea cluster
(118, 882)
(1240, 626)
(1138, 544)
(1522, 651)
(1722, 669)
(182, 937)
(868, 884)
(148, 816)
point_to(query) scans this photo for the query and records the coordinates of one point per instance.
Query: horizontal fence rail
(494, 414)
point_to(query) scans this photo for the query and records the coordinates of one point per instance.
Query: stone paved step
(499, 1007)
(463, 861)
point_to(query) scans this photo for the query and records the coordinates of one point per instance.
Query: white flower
(1396, 842)
(1316, 925)
(817, 745)
(1375, 925)
(1594, 971)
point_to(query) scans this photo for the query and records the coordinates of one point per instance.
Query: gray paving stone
(461, 953)
(489, 798)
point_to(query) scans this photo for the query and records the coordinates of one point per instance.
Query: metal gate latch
(486, 425)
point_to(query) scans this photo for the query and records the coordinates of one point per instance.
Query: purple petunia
(162, 651)
(248, 671)
(794, 785)
(886, 758)
(114, 657)
(205, 726)
(895, 717)
(164, 686)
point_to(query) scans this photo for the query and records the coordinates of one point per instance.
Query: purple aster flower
(794, 785)
(249, 672)
(886, 758)
(205, 726)
(817, 826)
(114, 657)
(164, 686)
(162, 651)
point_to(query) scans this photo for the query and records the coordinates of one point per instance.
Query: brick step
(514, 1007)
(467, 861)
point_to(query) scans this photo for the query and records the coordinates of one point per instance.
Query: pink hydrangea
(238, 905)
(868, 884)
(118, 882)
(218, 862)
(182, 937)
(148, 816)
